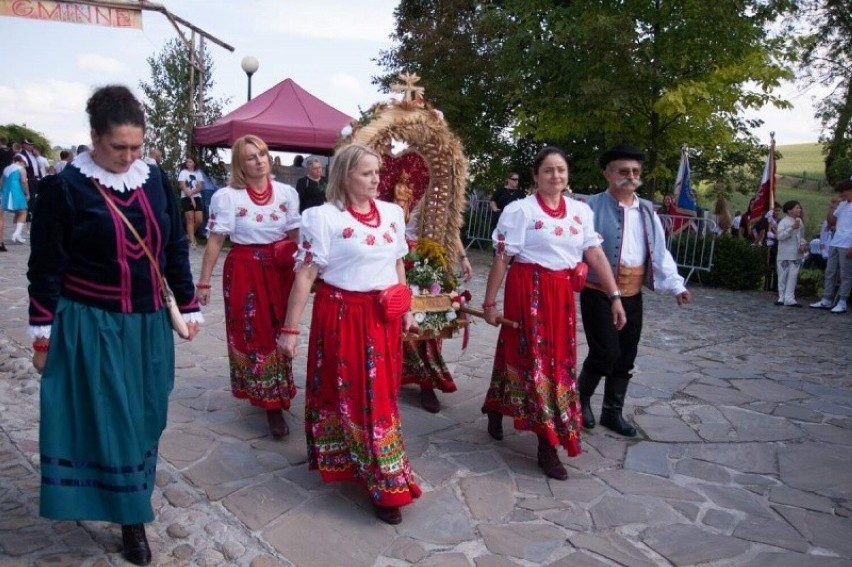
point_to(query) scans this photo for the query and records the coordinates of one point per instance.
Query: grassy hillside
(801, 160)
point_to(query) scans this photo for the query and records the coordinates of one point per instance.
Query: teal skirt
(104, 400)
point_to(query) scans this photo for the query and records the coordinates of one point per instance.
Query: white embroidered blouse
(232, 212)
(532, 236)
(349, 254)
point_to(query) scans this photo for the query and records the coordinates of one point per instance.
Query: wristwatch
(615, 295)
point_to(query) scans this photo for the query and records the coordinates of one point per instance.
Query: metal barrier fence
(691, 240)
(479, 220)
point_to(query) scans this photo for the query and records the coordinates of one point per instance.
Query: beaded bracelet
(202, 285)
(489, 304)
(289, 331)
(41, 346)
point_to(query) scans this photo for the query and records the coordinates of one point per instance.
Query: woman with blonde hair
(352, 422)
(261, 217)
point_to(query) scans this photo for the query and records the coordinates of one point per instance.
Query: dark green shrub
(737, 264)
(810, 283)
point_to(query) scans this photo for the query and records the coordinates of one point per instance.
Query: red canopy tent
(287, 117)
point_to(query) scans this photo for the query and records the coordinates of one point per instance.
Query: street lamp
(249, 65)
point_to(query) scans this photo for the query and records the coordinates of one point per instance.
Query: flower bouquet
(434, 302)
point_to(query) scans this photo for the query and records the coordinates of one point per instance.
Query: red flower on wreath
(242, 211)
(387, 237)
(348, 232)
(370, 240)
(558, 231)
(538, 225)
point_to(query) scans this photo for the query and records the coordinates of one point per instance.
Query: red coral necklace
(371, 218)
(559, 212)
(260, 197)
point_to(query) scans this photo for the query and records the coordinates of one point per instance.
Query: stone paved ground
(743, 458)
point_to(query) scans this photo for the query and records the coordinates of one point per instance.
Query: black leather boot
(587, 383)
(615, 390)
(136, 549)
(548, 460)
(495, 423)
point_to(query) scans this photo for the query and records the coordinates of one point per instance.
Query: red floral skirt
(352, 421)
(255, 307)
(534, 379)
(423, 364)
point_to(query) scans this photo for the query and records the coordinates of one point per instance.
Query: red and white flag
(764, 201)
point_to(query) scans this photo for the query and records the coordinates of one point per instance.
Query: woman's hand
(203, 295)
(288, 344)
(490, 314)
(194, 328)
(409, 325)
(467, 269)
(39, 359)
(619, 317)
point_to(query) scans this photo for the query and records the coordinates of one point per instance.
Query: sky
(326, 46)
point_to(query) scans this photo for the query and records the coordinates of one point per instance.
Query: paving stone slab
(578, 559)
(445, 560)
(817, 467)
(613, 547)
(583, 489)
(828, 433)
(734, 498)
(760, 458)
(259, 504)
(233, 461)
(490, 497)
(304, 535)
(702, 470)
(822, 530)
(493, 561)
(718, 395)
(770, 531)
(616, 511)
(632, 483)
(437, 517)
(719, 519)
(800, 499)
(531, 542)
(797, 412)
(688, 545)
(754, 426)
(649, 457)
(666, 429)
(773, 559)
(407, 549)
(768, 390)
(575, 519)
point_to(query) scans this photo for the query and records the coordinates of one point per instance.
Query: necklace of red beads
(260, 197)
(371, 218)
(559, 212)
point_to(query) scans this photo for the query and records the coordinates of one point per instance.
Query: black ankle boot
(548, 460)
(495, 423)
(586, 385)
(136, 549)
(615, 389)
(588, 416)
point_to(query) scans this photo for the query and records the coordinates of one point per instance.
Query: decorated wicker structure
(432, 168)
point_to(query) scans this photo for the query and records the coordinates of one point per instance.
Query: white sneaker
(840, 307)
(821, 304)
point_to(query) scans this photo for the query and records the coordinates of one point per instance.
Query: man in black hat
(34, 173)
(634, 243)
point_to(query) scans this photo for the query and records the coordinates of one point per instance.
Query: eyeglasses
(513, 178)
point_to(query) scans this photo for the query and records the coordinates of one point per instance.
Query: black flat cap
(621, 151)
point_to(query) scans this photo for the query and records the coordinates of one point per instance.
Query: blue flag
(684, 196)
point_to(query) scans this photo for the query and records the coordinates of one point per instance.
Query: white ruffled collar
(130, 180)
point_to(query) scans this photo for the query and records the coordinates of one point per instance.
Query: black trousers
(611, 352)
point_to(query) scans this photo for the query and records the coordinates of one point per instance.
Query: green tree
(826, 59)
(585, 75)
(19, 133)
(167, 102)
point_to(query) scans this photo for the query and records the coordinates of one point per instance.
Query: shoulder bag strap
(139, 239)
